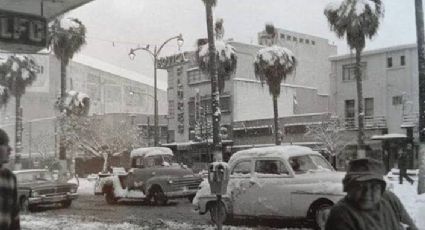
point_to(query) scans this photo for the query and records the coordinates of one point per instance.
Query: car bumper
(52, 199)
(181, 193)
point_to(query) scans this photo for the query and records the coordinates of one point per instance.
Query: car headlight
(73, 190)
(34, 193)
(170, 181)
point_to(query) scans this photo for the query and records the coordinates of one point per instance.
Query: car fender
(161, 181)
(302, 201)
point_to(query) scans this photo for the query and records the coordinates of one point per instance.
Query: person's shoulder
(341, 207)
(388, 195)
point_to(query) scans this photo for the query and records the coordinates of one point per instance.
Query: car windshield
(309, 163)
(153, 161)
(41, 176)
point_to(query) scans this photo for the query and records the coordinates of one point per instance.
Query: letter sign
(22, 32)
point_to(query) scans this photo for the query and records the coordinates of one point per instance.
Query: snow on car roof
(29, 171)
(151, 151)
(273, 151)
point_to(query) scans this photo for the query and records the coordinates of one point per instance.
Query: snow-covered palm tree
(356, 20)
(76, 103)
(17, 73)
(226, 59)
(67, 36)
(272, 65)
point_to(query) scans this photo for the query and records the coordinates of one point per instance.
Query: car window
(301, 164)
(153, 161)
(321, 163)
(34, 177)
(270, 167)
(243, 167)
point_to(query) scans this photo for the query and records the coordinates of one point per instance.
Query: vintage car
(154, 177)
(38, 187)
(275, 182)
(394, 174)
(99, 176)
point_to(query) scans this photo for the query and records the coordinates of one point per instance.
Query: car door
(145, 170)
(273, 183)
(240, 187)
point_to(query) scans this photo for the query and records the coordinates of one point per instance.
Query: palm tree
(215, 95)
(421, 70)
(66, 37)
(18, 72)
(4, 92)
(272, 65)
(356, 20)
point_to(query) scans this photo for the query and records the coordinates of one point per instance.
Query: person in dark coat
(403, 159)
(368, 205)
(9, 206)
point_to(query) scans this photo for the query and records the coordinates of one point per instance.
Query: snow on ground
(86, 186)
(414, 203)
(60, 222)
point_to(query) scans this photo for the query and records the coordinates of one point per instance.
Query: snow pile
(69, 23)
(276, 54)
(151, 151)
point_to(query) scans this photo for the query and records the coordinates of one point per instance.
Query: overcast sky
(115, 26)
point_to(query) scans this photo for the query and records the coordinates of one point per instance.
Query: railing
(410, 120)
(370, 122)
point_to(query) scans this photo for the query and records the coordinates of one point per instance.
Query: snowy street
(91, 212)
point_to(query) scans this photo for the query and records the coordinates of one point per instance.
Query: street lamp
(155, 53)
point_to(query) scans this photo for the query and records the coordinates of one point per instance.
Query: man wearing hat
(9, 208)
(368, 205)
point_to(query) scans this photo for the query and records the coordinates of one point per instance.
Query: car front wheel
(159, 197)
(66, 204)
(24, 205)
(321, 214)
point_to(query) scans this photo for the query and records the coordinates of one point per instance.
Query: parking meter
(218, 177)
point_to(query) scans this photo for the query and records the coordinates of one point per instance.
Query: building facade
(390, 91)
(112, 90)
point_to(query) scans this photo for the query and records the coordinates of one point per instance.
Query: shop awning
(389, 136)
(50, 9)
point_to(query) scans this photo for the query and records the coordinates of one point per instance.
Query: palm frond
(270, 29)
(17, 73)
(210, 2)
(272, 65)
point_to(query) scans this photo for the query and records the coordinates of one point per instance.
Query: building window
(288, 37)
(307, 41)
(349, 108)
(389, 62)
(282, 36)
(397, 100)
(171, 108)
(348, 72)
(225, 104)
(195, 76)
(301, 40)
(402, 60)
(368, 105)
(294, 39)
(313, 42)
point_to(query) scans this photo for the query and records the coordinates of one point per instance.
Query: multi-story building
(246, 104)
(112, 90)
(390, 91)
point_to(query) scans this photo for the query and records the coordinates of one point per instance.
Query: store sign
(22, 32)
(165, 62)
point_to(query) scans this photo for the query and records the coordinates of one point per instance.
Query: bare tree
(329, 134)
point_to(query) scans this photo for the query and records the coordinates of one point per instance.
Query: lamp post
(155, 53)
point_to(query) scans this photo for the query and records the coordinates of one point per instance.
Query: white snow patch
(275, 53)
(69, 23)
(223, 49)
(85, 186)
(151, 151)
(2, 90)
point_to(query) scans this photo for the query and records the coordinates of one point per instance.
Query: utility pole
(421, 72)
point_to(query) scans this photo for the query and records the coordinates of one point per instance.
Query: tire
(158, 197)
(214, 208)
(190, 198)
(110, 197)
(320, 215)
(24, 206)
(66, 204)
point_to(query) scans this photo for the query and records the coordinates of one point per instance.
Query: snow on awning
(252, 127)
(389, 136)
(303, 123)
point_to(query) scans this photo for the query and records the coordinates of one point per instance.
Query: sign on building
(22, 33)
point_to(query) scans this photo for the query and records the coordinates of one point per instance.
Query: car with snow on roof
(154, 177)
(276, 182)
(38, 187)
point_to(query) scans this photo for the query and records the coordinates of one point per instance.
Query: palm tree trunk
(18, 131)
(276, 121)
(62, 147)
(361, 134)
(421, 70)
(215, 95)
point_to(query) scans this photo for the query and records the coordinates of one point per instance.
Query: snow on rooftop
(273, 151)
(150, 151)
(107, 67)
(388, 136)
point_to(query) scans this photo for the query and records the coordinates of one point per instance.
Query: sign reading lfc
(165, 62)
(22, 32)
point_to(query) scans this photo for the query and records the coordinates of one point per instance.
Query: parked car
(154, 176)
(38, 187)
(275, 182)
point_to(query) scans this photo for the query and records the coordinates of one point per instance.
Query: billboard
(22, 33)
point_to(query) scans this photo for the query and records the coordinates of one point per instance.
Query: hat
(4, 138)
(364, 169)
